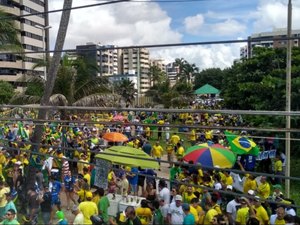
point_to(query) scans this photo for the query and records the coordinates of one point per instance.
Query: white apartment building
(105, 56)
(172, 72)
(270, 40)
(136, 61)
(33, 38)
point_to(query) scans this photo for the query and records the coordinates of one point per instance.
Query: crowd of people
(64, 175)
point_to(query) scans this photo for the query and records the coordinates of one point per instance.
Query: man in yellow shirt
(193, 137)
(278, 168)
(210, 214)
(261, 213)
(263, 189)
(88, 208)
(175, 139)
(157, 152)
(188, 195)
(180, 151)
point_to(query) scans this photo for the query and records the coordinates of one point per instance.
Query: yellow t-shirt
(157, 151)
(3, 200)
(217, 208)
(180, 152)
(278, 166)
(208, 218)
(264, 190)
(228, 180)
(194, 213)
(175, 139)
(144, 214)
(261, 214)
(249, 184)
(193, 135)
(242, 215)
(88, 178)
(169, 149)
(88, 209)
(279, 222)
(187, 198)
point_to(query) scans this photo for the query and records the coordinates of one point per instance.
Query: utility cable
(154, 45)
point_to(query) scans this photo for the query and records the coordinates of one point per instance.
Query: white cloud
(273, 14)
(193, 23)
(228, 27)
(120, 24)
(204, 57)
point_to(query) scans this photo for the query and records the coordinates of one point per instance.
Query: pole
(45, 54)
(288, 98)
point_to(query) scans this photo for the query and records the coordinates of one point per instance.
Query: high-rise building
(119, 63)
(136, 61)
(33, 36)
(172, 72)
(270, 40)
(106, 59)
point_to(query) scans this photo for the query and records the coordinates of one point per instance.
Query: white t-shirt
(164, 210)
(79, 219)
(218, 186)
(232, 208)
(165, 195)
(177, 214)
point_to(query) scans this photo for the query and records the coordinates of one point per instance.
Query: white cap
(251, 192)
(178, 198)
(229, 187)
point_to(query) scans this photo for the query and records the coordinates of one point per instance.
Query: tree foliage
(6, 93)
(9, 39)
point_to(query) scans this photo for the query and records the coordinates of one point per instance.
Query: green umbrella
(125, 155)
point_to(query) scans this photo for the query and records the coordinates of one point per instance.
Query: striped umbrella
(210, 155)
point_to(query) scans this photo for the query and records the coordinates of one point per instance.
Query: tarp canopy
(125, 155)
(207, 89)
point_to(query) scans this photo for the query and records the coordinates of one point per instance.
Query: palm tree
(9, 34)
(186, 70)
(125, 88)
(156, 75)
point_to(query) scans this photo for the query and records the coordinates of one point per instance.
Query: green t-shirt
(8, 222)
(173, 172)
(103, 205)
(158, 218)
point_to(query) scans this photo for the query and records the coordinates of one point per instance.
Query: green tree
(156, 75)
(212, 76)
(186, 70)
(9, 39)
(125, 88)
(6, 93)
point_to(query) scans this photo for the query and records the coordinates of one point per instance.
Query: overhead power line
(110, 47)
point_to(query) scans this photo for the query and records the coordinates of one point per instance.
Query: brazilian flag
(241, 145)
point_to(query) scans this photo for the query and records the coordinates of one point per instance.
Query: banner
(270, 154)
(102, 169)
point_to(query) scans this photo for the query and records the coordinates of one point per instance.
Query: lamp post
(288, 99)
(43, 29)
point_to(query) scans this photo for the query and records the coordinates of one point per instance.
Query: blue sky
(141, 23)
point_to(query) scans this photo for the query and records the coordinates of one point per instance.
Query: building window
(30, 10)
(8, 3)
(29, 22)
(8, 71)
(31, 35)
(41, 3)
(8, 57)
(31, 47)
